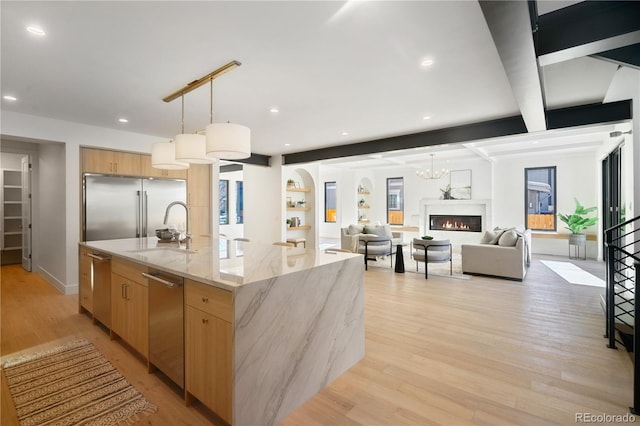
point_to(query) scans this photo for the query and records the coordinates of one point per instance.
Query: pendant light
(190, 147)
(163, 156)
(226, 141)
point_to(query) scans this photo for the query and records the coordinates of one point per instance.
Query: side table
(400, 258)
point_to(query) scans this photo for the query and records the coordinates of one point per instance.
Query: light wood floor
(438, 351)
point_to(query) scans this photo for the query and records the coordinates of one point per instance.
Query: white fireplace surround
(478, 207)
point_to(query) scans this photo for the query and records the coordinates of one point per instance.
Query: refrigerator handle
(138, 216)
(145, 214)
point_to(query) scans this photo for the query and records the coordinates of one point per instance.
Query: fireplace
(450, 222)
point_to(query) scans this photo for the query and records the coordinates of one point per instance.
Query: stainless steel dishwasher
(166, 329)
(101, 283)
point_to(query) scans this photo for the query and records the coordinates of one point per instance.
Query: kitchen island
(266, 327)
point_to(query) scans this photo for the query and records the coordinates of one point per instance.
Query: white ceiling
(329, 67)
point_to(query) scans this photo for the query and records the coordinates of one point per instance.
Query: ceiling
(337, 72)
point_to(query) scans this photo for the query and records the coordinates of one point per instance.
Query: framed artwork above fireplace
(460, 185)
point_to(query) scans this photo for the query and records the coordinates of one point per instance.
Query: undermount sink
(163, 249)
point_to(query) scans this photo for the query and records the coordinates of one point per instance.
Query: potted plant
(291, 183)
(577, 222)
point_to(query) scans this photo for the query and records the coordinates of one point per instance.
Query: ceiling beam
(477, 151)
(586, 28)
(510, 26)
(628, 56)
(561, 118)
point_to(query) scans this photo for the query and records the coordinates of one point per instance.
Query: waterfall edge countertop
(223, 263)
(295, 321)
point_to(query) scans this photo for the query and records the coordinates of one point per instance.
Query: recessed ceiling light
(426, 63)
(10, 98)
(287, 144)
(345, 133)
(426, 117)
(36, 30)
(123, 120)
(274, 110)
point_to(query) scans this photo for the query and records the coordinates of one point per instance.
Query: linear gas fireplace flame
(449, 222)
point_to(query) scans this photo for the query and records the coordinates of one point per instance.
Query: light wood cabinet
(85, 291)
(106, 161)
(129, 305)
(208, 347)
(199, 198)
(147, 170)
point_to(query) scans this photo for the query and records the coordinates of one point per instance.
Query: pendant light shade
(190, 148)
(163, 156)
(228, 141)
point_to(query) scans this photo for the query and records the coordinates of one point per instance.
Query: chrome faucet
(166, 218)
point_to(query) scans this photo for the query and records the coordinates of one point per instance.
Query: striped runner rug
(71, 384)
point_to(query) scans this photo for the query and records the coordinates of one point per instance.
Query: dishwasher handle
(101, 258)
(161, 280)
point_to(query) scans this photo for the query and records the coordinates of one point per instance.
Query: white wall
(577, 177)
(264, 192)
(51, 223)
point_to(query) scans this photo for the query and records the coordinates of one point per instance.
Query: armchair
(350, 235)
(432, 251)
(372, 246)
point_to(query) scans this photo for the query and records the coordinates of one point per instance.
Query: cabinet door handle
(122, 290)
(205, 321)
(115, 166)
(110, 166)
(205, 299)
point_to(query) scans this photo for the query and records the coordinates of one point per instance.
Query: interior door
(26, 212)
(613, 206)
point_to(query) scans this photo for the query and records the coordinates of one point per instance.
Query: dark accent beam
(584, 115)
(628, 56)
(226, 168)
(584, 23)
(256, 159)
(487, 129)
(556, 119)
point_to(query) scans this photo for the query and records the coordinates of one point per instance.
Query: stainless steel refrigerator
(127, 207)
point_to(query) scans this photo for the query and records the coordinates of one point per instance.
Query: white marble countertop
(223, 263)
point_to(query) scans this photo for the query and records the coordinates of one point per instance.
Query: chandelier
(226, 141)
(432, 173)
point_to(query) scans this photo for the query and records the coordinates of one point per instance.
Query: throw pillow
(508, 238)
(492, 237)
(382, 231)
(355, 229)
(368, 230)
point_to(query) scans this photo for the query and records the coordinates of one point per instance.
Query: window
(239, 203)
(395, 201)
(540, 198)
(330, 202)
(223, 198)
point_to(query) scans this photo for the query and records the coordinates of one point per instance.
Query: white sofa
(502, 253)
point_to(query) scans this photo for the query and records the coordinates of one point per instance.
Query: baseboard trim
(59, 285)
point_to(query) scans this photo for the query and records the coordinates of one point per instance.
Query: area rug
(573, 274)
(71, 384)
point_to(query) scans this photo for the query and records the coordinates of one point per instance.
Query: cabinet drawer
(131, 270)
(209, 299)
